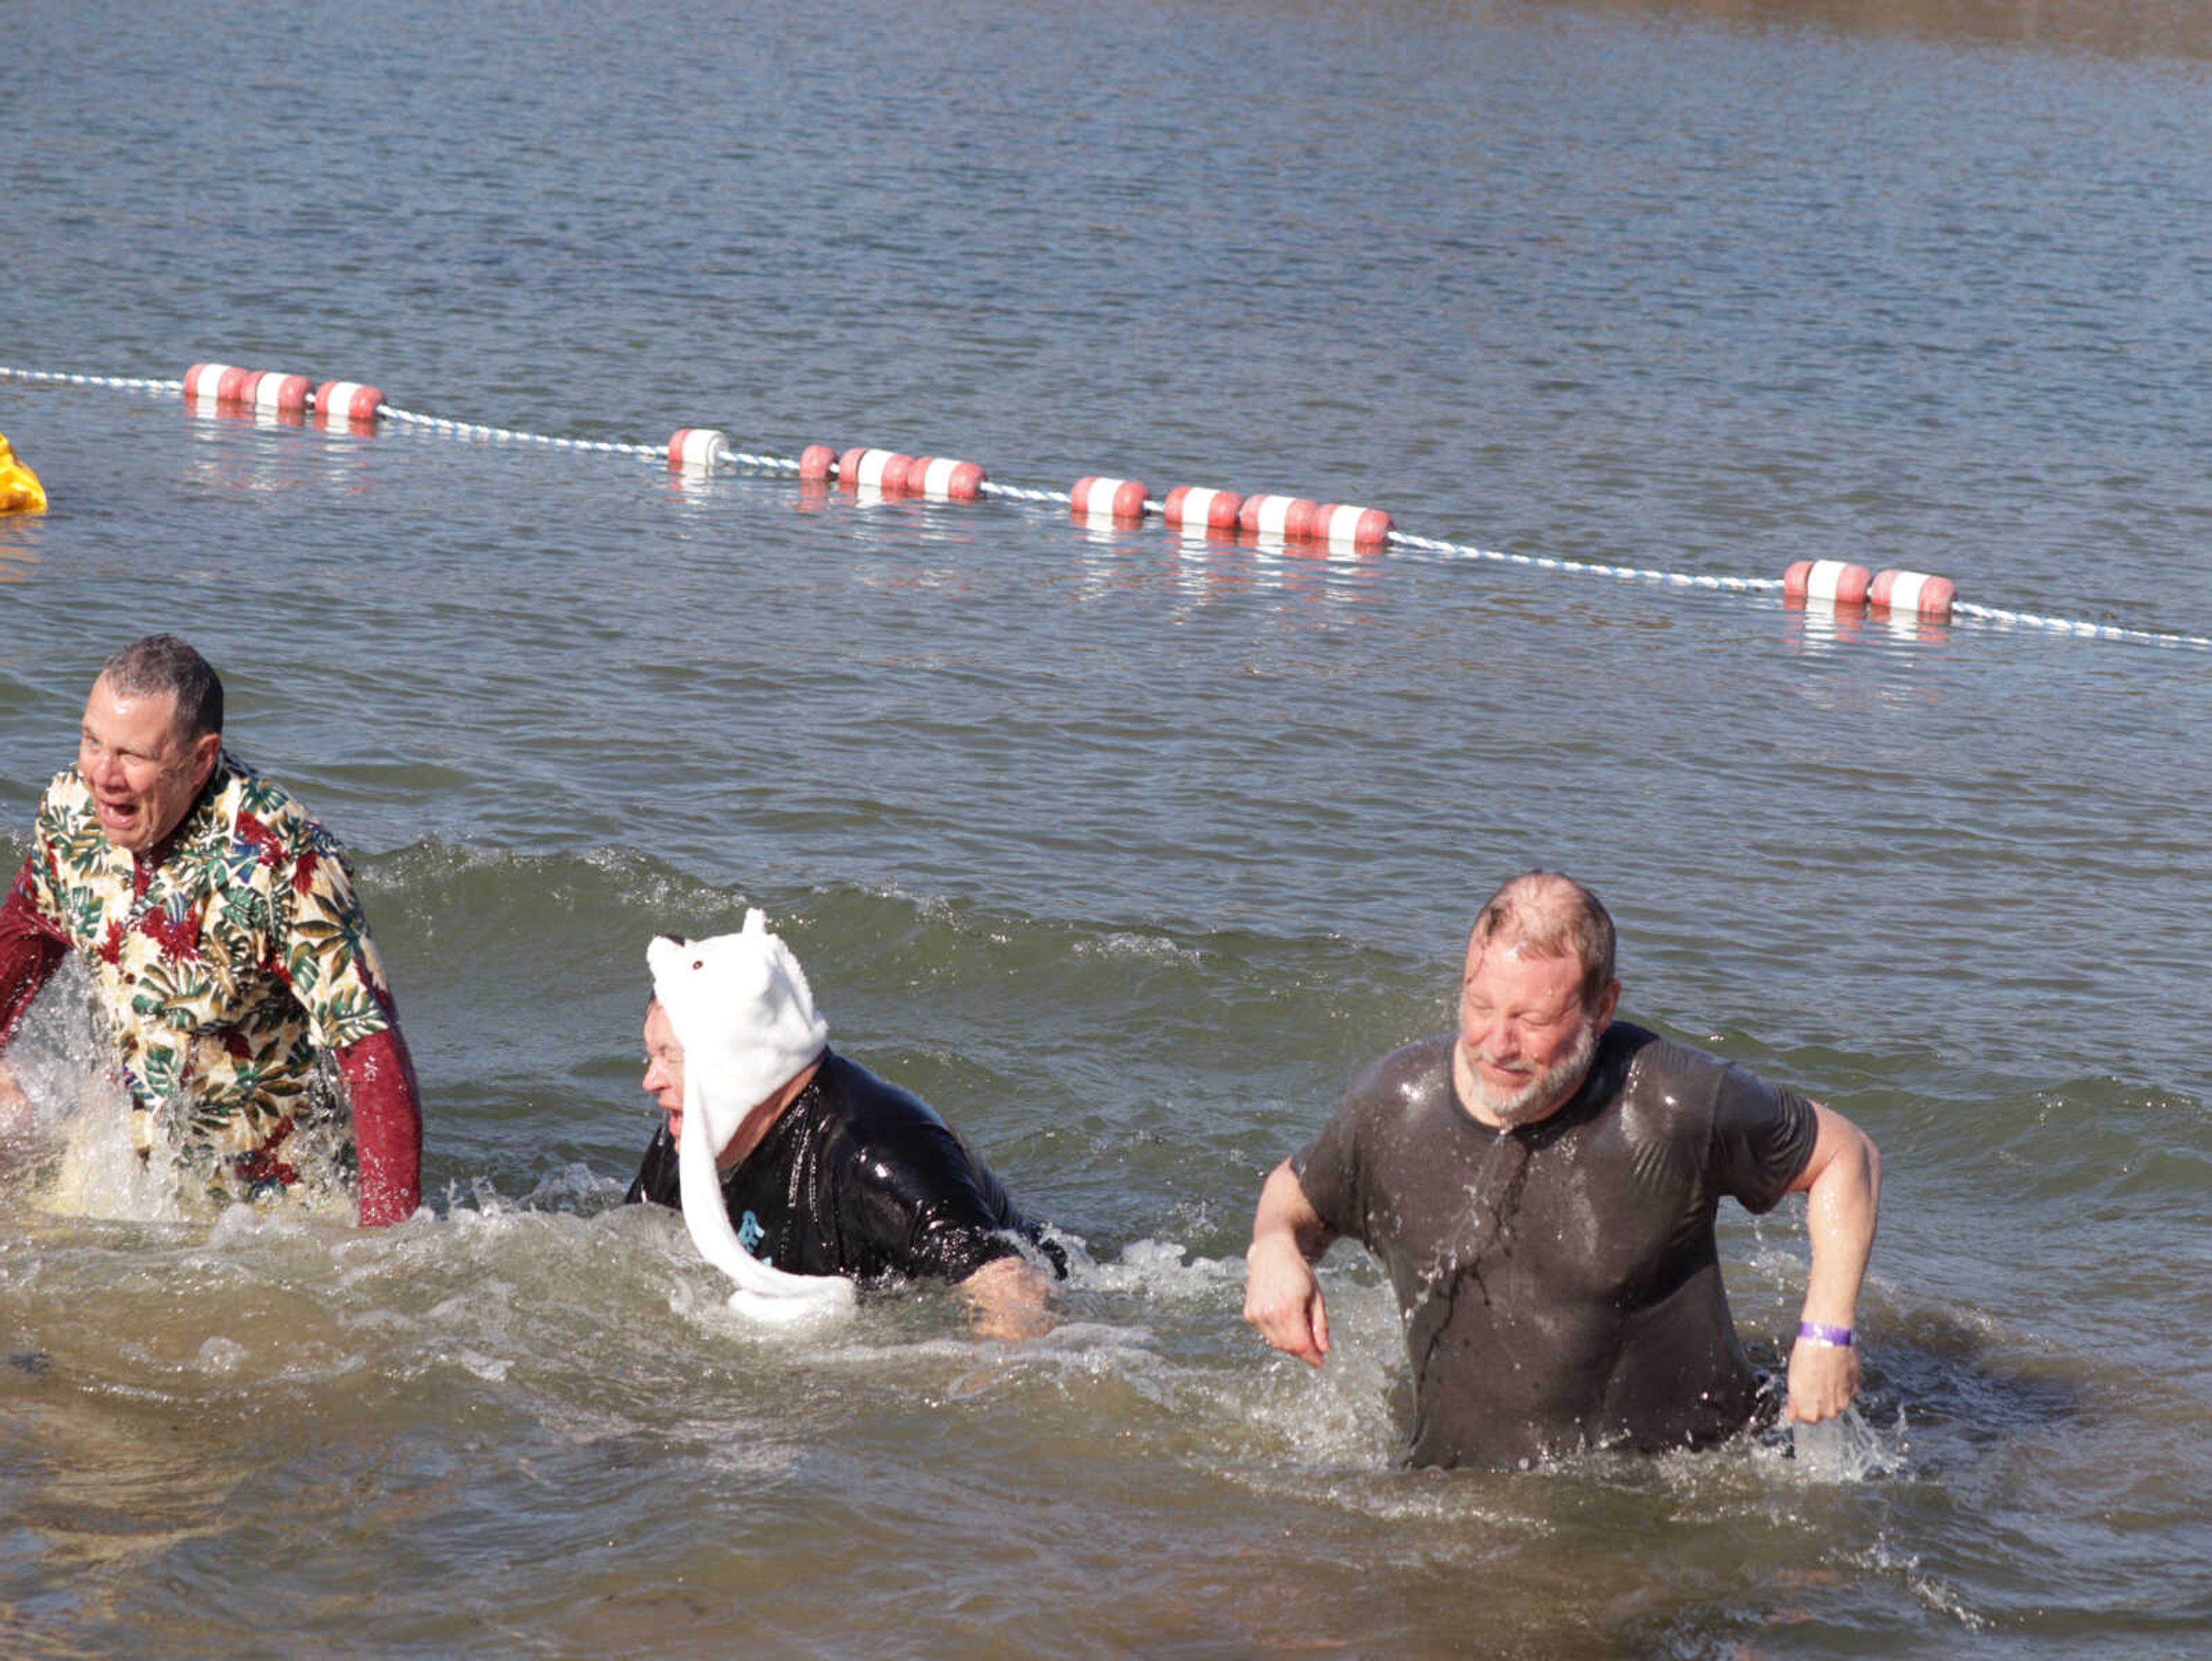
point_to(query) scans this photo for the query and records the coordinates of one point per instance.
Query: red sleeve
(31, 949)
(387, 1125)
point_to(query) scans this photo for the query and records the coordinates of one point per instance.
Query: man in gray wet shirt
(1542, 1187)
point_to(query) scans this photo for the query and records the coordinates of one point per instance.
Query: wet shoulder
(874, 1132)
(245, 807)
(1411, 1078)
(865, 1108)
(893, 1143)
(1658, 1081)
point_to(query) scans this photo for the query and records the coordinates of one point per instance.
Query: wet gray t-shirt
(1560, 1282)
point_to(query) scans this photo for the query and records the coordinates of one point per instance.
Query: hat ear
(661, 958)
(682, 985)
(802, 994)
(747, 978)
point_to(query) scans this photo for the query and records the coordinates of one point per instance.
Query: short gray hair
(165, 664)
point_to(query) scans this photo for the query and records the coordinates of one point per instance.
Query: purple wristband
(1837, 1337)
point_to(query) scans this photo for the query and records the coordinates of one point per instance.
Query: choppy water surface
(1126, 851)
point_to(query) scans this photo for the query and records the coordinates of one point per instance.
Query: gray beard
(1545, 1093)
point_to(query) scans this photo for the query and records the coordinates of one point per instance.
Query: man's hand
(1824, 1379)
(1009, 1299)
(1282, 1298)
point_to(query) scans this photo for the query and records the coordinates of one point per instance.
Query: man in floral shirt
(227, 949)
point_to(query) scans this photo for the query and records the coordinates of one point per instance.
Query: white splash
(1844, 1449)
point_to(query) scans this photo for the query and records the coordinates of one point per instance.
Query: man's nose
(1499, 1038)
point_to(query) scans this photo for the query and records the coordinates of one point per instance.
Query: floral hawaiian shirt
(226, 970)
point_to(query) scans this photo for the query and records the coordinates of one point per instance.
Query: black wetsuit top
(1560, 1282)
(858, 1177)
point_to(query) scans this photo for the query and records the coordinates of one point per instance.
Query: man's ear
(1606, 1000)
(205, 749)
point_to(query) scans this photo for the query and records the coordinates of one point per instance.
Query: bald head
(1545, 914)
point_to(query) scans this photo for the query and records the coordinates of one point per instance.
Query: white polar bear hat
(745, 1017)
(744, 1013)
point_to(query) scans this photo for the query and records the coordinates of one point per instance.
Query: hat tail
(764, 1292)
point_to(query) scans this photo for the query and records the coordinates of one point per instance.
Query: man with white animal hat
(804, 1172)
(1542, 1187)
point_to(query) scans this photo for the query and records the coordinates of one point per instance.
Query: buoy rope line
(124, 383)
(1339, 529)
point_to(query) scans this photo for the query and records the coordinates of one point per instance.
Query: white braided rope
(463, 429)
(1015, 493)
(2078, 629)
(1590, 567)
(128, 382)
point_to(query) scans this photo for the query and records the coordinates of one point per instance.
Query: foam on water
(571, 1323)
(1847, 1449)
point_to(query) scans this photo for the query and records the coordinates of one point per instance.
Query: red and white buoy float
(1107, 499)
(883, 471)
(944, 480)
(271, 392)
(1834, 580)
(696, 449)
(1194, 508)
(214, 382)
(1915, 591)
(1350, 527)
(347, 401)
(1278, 516)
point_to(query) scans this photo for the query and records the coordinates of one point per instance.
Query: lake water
(1128, 850)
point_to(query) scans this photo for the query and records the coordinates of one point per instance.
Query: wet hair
(164, 663)
(1551, 915)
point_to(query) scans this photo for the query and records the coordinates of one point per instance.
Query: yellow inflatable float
(20, 490)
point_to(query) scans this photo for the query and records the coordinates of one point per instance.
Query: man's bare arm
(1842, 1184)
(1282, 1297)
